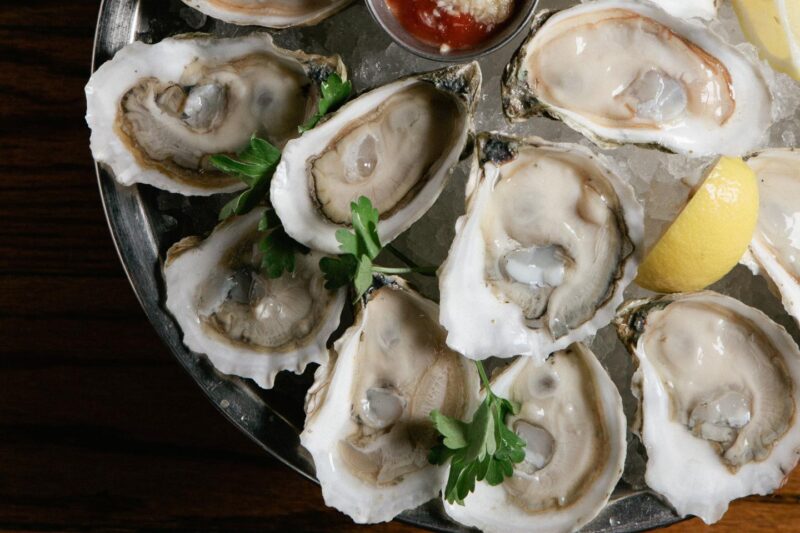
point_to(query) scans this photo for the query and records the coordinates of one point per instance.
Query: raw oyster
(396, 144)
(774, 251)
(368, 425)
(157, 112)
(550, 240)
(623, 71)
(269, 13)
(247, 324)
(703, 9)
(717, 386)
(572, 421)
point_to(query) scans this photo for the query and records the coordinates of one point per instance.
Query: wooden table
(99, 427)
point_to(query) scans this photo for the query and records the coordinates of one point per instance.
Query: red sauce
(431, 24)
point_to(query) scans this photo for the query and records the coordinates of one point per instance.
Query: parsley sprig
(334, 93)
(483, 449)
(254, 166)
(360, 248)
(278, 248)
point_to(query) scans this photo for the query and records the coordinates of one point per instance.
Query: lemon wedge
(710, 234)
(773, 26)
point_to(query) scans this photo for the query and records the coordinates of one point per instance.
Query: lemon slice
(773, 26)
(710, 234)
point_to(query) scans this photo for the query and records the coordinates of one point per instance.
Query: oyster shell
(717, 386)
(396, 144)
(247, 324)
(367, 416)
(774, 251)
(571, 418)
(623, 71)
(550, 239)
(269, 13)
(157, 112)
(703, 9)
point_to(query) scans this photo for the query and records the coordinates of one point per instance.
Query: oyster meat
(396, 145)
(368, 423)
(246, 323)
(158, 112)
(269, 13)
(623, 71)
(717, 386)
(775, 249)
(572, 421)
(550, 239)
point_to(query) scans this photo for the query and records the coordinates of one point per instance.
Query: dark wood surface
(99, 427)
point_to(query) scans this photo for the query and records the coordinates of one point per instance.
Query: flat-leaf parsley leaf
(484, 449)
(334, 93)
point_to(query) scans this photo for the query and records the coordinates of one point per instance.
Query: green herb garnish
(334, 93)
(278, 248)
(254, 166)
(483, 449)
(360, 247)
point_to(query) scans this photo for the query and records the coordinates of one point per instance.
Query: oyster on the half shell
(246, 323)
(158, 112)
(717, 383)
(368, 423)
(550, 239)
(396, 145)
(624, 71)
(269, 13)
(572, 421)
(774, 251)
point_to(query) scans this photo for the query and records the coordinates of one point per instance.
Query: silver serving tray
(145, 222)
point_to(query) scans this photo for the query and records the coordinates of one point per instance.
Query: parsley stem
(426, 271)
(484, 379)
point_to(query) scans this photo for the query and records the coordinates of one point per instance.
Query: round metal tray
(144, 222)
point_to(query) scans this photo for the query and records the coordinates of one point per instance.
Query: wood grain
(99, 428)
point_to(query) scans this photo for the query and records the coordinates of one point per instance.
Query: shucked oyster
(549, 242)
(157, 112)
(572, 421)
(396, 145)
(246, 323)
(775, 248)
(623, 71)
(368, 423)
(269, 13)
(717, 383)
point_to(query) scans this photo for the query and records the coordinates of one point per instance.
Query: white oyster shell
(774, 251)
(368, 423)
(703, 9)
(157, 112)
(562, 202)
(396, 145)
(625, 71)
(269, 13)
(572, 420)
(246, 324)
(717, 383)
